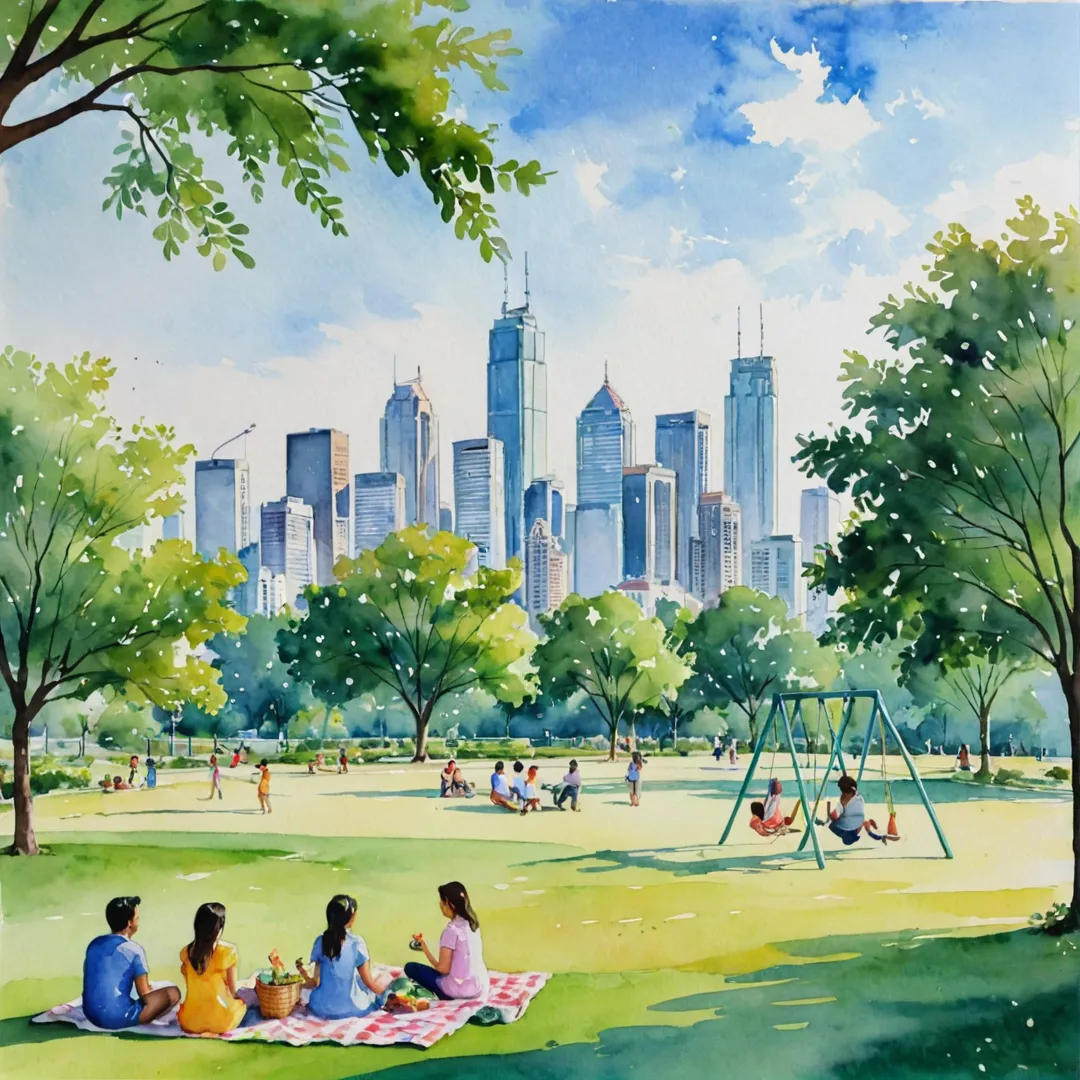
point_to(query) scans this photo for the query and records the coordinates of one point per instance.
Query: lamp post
(247, 431)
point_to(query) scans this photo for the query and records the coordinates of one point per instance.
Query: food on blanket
(278, 975)
(395, 1003)
(405, 996)
(416, 943)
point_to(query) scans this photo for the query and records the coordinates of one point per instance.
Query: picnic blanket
(509, 995)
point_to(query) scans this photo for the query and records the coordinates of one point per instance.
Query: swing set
(786, 715)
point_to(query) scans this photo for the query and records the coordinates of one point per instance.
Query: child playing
(633, 777)
(760, 824)
(517, 785)
(572, 782)
(235, 757)
(215, 778)
(343, 761)
(264, 787)
(500, 789)
(532, 799)
(151, 773)
(849, 821)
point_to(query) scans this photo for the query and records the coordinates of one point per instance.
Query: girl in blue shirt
(342, 983)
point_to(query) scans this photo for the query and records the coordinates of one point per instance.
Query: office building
(597, 548)
(317, 472)
(479, 502)
(446, 518)
(682, 444)
(272, 593)
(222, 506)
(646, 594)
(649, 517)
(379, 501)
(545, 500)
(409, 441)
(517, 408)
(776, 569)
(546, 579)
(287, 542)
(819, 524)
(751, 447)
(245, 596)
(172, 526)
(716, 552)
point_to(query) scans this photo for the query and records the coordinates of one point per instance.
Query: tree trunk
(984, 746)
(25, 841)
(613, 730)
(422, 720)
(1070, 684)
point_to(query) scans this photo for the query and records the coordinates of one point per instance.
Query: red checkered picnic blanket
(510, 994)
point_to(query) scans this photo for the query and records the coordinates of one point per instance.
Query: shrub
(1054, 922)
(1058, 772)
(1008, 776)
(44, 780)
(185, 763)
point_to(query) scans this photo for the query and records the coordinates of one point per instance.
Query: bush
(185, 763)
(50, 779)
(1008, 776)
(1058, 772)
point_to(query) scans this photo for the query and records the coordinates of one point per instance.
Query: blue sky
(707, 156)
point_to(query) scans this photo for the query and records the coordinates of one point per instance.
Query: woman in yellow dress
(208, 964)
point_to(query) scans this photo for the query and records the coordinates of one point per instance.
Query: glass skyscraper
(649, 523)
(479, 508)
(751, 448)
(682, 444)
(776, 568)
(517, 409)
(409, 445)
(378, 508)
(317, 471)
(819, 523)
(287, 540)
(716, 552)
(545, 501)
(222, 506)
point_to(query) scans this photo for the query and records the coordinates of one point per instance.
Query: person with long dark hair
(458, 971)
(208, 965)
(342, 983)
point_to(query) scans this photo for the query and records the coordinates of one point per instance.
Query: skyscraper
(172, 527)
(409, 440)
(517, 408)
(479, 504)
(545, 499)
(820, 525)
(271, 593)
(649, 505)
(776, 569)
(222, 506)
(446, 518)
(288, 545)
(378, 508)
(605, 446)
(245, 596)
(546, 583)
(751, 446)
(317, 471)
(682, 444)
(716, 552)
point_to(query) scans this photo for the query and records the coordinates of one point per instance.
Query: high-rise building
(172, 526)
(479, 504)
(222, 506)
(378, 508)
(287, 540)
(446, 518)
(245, 597)
(649, 516)
(776, 569)
(682, 444)
(317, 471)
(517, 408)
(716, 552)
(751, 446)
(545, 499)
(819, 520)
(271, 593)
(546, 581)
(409, 440)
(605, 446)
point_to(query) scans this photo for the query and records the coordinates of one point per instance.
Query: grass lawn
(669, 954)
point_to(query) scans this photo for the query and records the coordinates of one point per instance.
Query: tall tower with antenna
(751, 444)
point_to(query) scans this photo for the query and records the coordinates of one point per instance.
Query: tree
(606, 647)
(747, 649)
(78, 613)
(258, 684)
(277, 81)
(680, 703)
(405, 616)
(965, 465)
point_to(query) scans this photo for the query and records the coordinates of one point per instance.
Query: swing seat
(892, 830)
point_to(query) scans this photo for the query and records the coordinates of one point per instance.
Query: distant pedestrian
(717, 747)
(963, 758)
(733, 753)
(343, 761)
(151, 773)
(633, 777)
(215, 777)
(264, 787)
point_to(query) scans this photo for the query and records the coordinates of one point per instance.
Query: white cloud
(800, 116)
(589, 175)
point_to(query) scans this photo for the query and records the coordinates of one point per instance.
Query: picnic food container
(277, 1001)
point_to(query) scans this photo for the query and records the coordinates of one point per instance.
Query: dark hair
(117, 779)
(120, 910)
(518, 767)
(573, 764)
(499, 766)
(636, 757)
(209, 922)
(263, 762)
(454, 894)
(846, 784)
(757, 809)
(338, 913)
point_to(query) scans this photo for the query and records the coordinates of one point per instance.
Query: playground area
(659, 941)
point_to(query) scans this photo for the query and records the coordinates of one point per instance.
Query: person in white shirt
(500, 789)
(571, 789)
(517, 785)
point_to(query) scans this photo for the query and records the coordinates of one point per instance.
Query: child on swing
(849, 820)
(767, 818)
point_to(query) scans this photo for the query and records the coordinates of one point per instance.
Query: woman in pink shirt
(458, 971)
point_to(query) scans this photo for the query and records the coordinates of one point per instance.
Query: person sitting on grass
(342, 983)
(500, 789)
(446, 778)
(963, 758)
(517, 785)
(849, 820)
(114, 965)
(459, 786)
(458, 971)
(532, 794)
(119, 784)
(208, 964)
(571, 788)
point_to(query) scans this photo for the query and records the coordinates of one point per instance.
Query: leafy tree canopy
(280, 81)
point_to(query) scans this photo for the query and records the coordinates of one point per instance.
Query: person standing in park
(571, 787)
(633, 777)
(264, 787)
(717, 747)
(215, 778)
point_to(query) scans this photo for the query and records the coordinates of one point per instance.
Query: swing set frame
(787, 709)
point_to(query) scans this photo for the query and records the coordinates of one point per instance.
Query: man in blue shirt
(114, 965)
(500, 789)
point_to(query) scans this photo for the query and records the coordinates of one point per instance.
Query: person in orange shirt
(208, 965)
(264, 787)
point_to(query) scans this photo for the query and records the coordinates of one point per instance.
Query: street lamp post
(247, 431)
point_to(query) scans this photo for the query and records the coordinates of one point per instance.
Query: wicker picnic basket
(276, 1002)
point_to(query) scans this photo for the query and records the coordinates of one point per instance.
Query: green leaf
(219, 260)
(244, 258)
